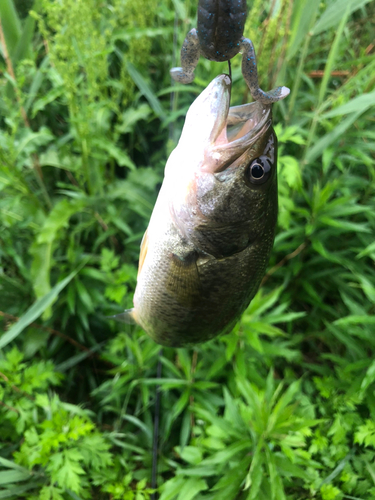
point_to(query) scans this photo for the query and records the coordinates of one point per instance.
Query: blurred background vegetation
(284, 406)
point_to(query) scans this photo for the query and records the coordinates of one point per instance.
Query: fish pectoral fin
(143, 252)
(183, 280)
(126, 317)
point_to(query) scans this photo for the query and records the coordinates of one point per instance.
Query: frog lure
(219, 37)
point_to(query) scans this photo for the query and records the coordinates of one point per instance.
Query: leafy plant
(282, 407)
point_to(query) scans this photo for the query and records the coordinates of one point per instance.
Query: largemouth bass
(212, 228)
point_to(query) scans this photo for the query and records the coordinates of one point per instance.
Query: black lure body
(219, 37)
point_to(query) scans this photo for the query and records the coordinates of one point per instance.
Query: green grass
(281, 408)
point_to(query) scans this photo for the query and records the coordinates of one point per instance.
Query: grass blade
(336, 471)
(73, 495)
(24, 46)
(360, 103)
(36, 83)
(11, 465)
(308, 19)
(331, 16)
(17, 490)
(330, 138)
(74, 360)
(146, 91)
(332, 57)
(11, 25)
(304, 16)
(13, 476)
(36, 309)
(322, 92)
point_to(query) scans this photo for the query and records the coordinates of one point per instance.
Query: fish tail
(126, 317)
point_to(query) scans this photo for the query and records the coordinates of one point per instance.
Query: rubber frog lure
(219, 37)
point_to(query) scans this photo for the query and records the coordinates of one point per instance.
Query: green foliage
(61, 447)
(281, 408)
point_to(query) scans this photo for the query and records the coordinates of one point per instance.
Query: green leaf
(191, 488)
(370, 249)
(138, 423)
(41, 103)
(36, 310)
(290, 170)
(42, 248)
(230, 482)
(74, 360)
(255, 475)
(115, 152)
(304, 15)
(12, 465)
(58, 219)
(326, 140)
(332, 16)
(198, 471)
(261, 303)
(11, 24)
(344, 224)
(223, 456)
(40, 270)
(330, 492)
(190, 454)
(360, 103)
(13, 476)
(354, 319)
(30, 141)
(131, 116)
(72, 495)
(24, 46)
(365, 434)
(171, 488)
(146, 91)
(15, 492)
(66, 470)
(277, 489)
(369, 378)
(289, 469)
(333, 52)
(338, 468)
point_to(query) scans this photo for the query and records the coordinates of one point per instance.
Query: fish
(211, 232)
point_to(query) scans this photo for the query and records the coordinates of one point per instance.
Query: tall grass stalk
(326, 77)
(35, 160)
(12, 26)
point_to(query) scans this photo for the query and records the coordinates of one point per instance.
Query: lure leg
(250, 74)
(189, 59)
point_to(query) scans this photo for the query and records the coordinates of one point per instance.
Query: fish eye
(259, 170)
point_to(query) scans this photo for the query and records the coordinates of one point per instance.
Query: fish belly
(184, 297)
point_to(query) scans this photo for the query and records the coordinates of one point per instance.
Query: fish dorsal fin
(126, 317)
(143, 252)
